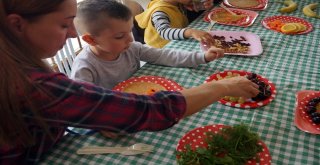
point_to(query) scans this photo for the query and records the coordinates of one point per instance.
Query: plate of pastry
(247, 4)
(147, 85)
(307, 113)
(197, 146)
(266, 87)
(235, 43)
(243, 18)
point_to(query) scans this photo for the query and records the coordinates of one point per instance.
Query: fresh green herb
(230, 146)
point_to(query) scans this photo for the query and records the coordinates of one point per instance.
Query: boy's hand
(208, 4)
(213, 53)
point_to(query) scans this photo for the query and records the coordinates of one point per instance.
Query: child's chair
(63, 60)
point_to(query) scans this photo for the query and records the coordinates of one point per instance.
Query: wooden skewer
(228, 10)
(212, 22)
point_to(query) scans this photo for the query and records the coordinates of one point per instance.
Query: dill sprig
(230, 146)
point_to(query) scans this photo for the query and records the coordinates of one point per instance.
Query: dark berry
(312, 103)
(252, 76)
(316, 100)
(315, 114)
(311, 109)
(316, 120)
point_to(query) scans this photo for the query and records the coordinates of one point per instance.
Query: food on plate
(229, 145)
(290, 28)
(233, 46)
(264, 88)
(313, 110)
(230, 98)
(143, 88)
(275, 25)
(290, 6)
(224, 16)
(308, 10)
(287, 28)
(244, 3)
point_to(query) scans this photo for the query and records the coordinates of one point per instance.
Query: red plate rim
(237, 11)
(246, 105)
(195, 139)
(170, 85)
(302, 107)
(284, 18)
(263, 4)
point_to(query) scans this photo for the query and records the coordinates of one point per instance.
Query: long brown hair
(16, 57)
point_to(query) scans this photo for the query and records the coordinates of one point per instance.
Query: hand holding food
(213, 53)
(199, 35)
(205, 4)
(239, 87)
(208, 4)
(291, 6)
(309, 10)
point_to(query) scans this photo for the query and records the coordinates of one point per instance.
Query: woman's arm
(206, 94)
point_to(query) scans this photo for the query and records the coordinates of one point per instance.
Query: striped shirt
(69, 103)
(161, 22)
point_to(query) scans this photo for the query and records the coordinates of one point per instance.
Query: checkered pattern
(292, 63)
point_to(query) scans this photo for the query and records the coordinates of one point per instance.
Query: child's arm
(162, 24)
(213, 53)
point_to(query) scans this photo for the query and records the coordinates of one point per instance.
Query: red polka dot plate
(302, 119)
(244, 22)
(261, 6)
(248, 103)
(288, 19)
(170, 85)
(196, 138)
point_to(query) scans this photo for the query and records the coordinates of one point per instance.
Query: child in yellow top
(163, 20)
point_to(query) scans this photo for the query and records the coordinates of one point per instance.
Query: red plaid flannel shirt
(69, 103)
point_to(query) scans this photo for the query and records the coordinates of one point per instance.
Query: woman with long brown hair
(36, 104)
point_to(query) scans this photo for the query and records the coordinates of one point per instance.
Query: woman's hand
(238, 87)
(205, 94)
(213, 53)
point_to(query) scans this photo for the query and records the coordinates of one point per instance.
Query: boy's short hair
(92, 15)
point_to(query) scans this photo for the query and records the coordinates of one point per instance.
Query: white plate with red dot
(247, 104)
(196, 138)
(302, 119)
(170, 85)
(287, 19)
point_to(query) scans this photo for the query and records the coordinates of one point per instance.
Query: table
(292, 63)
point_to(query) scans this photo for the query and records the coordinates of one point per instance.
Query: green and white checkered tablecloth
(292, 63)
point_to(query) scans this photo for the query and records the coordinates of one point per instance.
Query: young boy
(111, 56)
(165, 20)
